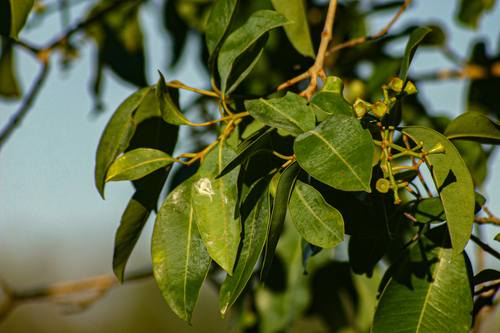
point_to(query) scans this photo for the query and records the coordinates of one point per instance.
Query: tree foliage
(292, 170)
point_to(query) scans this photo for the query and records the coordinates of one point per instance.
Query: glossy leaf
(180, 258)
(8, 82)
(319, 223)
(242, 39)
(168, 102)
(261, 145)
(116, 136)
(429, 210)
(137, 163)
(280, 204)
(471, 10)
(330, 100)
(298, 32)
(13, 16)
(428, 292)
(416, 37)
(474, 126)
(291, 113)
(214, 202)
(218, 25)
(339, 152)
(253, 240)
(454, 184)
(135, 217)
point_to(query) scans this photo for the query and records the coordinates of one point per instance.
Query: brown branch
(77, 295)
(485, 246)
(381, 33)
(491, 219)
(26, 104)
(317, 69)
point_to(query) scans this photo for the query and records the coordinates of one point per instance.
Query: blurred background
(55, 227)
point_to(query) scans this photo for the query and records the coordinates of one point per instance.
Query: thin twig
(485, 246)
(326, 36)
(77, 294)
(381, 33)
(491, 219)
(25, 106)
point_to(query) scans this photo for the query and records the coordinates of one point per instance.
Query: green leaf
(116, 136)
(319, 223)
(416, 37)
(261, 145)
(8, 82)
(429, 210)
(137, 163)
(177, 29)
(339, 152)
(253, 240)
(214, 202)
(242, 39)
(244, 64)
(486, 275)
(497, 237)
(474, 126)
(218, 25)
(298, 32)
(168, 101)
(280, 204)
(453, 182)
(180, 258)
(13, 16)
(330, 100)
(119, 38)
(291, 113)
(135, 217)
(428, 292)
(471, 10)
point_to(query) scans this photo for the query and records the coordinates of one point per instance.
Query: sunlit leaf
(453, 182)
(218, 25)
(214, 203)
(116, 136)
(253, 240)
(280, 204)
(319, 223)
(474, 126)
(137, 163)
(242, 39)
(429, 291)
(298, 32)
(291, 113)
(8, 82)
(180, 258)
(339, 152)
(330, 100)
(411, 47)
(168, 102)
(13, 16)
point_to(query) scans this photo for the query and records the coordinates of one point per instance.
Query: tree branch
(485, 246)
(26, 104)
(381, 33)
(491, 219)
(77, 295)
